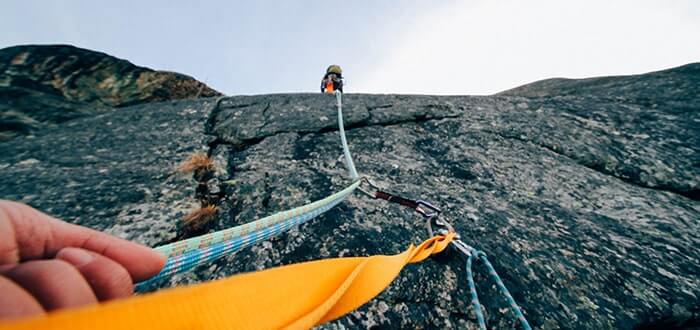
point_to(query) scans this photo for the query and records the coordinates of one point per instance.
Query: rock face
(679, 86)
(635, 103)
(52, 84)
(586, 205)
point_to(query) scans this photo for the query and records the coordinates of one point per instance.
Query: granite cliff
(585, 197)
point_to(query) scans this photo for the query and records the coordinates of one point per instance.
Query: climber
(332, 80)
(47, 264)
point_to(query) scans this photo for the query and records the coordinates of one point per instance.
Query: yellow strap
(294, 296)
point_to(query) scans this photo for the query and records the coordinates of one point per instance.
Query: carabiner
(443, 227)
(369, 182)
(426, 209)
(430, 212)
(422, 207)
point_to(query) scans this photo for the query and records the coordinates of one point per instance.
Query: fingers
(53, 283)
(9, 249)
(89, 265)
(16, 302)
(140, 261)
(37, 235)
(77, 278)
(107, 278)
(28, 232)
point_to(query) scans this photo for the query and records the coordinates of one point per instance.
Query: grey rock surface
(679, 86)
(587, 206)
(46, 85)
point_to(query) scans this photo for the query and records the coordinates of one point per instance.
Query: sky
(475, 47)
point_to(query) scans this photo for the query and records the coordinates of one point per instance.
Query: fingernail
(74, 256)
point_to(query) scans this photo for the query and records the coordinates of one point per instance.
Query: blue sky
(424, 47)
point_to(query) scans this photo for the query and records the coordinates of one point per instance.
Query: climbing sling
(297, 296)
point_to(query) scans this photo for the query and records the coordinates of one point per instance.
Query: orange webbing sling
(294, 296)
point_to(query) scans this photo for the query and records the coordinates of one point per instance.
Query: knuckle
(109, 280)
(122, 283)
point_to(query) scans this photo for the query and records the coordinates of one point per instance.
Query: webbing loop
(282, 297)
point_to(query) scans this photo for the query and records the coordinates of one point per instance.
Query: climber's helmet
(334, 69)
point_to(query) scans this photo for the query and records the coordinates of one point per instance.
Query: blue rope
(194, 258)
(475, 298)
(190, 253)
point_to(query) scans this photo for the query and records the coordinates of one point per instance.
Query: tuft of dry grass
(196, 162)
(198, 219)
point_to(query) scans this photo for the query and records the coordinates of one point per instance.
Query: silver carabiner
(369, 182)
(427, 210)
(443, 227)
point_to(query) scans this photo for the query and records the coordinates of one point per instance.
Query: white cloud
(483, 47)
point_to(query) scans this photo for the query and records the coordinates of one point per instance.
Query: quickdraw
(437, 225)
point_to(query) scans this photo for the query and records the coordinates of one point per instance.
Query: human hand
(48, 264)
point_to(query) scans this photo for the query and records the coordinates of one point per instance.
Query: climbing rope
(341, 128)
(476, 254)
(442, 227)
(187, 254)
